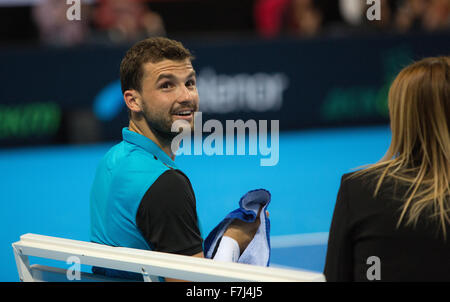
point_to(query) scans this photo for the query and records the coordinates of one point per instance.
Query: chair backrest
(148, 263)
(43, 273)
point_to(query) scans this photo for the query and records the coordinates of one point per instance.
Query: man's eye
(165, 85)
(190, 83)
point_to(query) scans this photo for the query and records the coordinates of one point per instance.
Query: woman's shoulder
(365, 183)
(358, 178)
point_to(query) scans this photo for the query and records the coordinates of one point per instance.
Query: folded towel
(258, 250)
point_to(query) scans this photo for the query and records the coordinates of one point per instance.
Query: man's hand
(243, 232)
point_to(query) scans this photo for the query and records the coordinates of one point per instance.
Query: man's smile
(184, 115)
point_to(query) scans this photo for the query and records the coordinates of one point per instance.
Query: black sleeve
(167, 215)
(339, 259)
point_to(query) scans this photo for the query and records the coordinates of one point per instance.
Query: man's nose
(187, 94)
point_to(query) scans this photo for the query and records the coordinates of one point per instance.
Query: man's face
(169, 93)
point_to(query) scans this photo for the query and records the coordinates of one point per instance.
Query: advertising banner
(73, 95)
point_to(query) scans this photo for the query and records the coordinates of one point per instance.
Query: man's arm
(167, 216)
(167, 219)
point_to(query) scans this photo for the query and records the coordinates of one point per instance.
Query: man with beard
(139, 198)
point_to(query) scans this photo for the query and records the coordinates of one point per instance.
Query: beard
(161, 124)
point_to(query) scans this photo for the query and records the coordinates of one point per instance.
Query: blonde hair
(419, 153)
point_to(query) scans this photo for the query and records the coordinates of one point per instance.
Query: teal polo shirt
(122, 179)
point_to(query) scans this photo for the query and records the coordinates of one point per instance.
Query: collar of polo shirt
(148, 145)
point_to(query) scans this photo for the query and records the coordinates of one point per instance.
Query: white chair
(148, 263)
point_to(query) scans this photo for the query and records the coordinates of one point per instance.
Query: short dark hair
(153, 50)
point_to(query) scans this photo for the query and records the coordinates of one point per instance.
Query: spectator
(303, 18)
(437, 15)
(429, 15)
(401, 16)
(50, 17)
(352, 11)
(269, 16)
(355, 15)
(127, 20)
(293, 17)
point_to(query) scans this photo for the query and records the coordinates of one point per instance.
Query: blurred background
(322, 68)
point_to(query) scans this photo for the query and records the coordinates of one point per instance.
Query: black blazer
(365, 245)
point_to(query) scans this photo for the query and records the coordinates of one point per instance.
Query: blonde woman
(391, 221)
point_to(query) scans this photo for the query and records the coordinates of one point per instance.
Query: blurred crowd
(315, 17)
(106, 21)
(117, 21)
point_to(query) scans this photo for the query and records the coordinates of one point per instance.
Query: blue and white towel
(258, 250)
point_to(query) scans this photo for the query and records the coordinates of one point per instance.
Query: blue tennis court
(45, 190)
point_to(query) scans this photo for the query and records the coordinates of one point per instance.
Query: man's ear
(133, 100)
